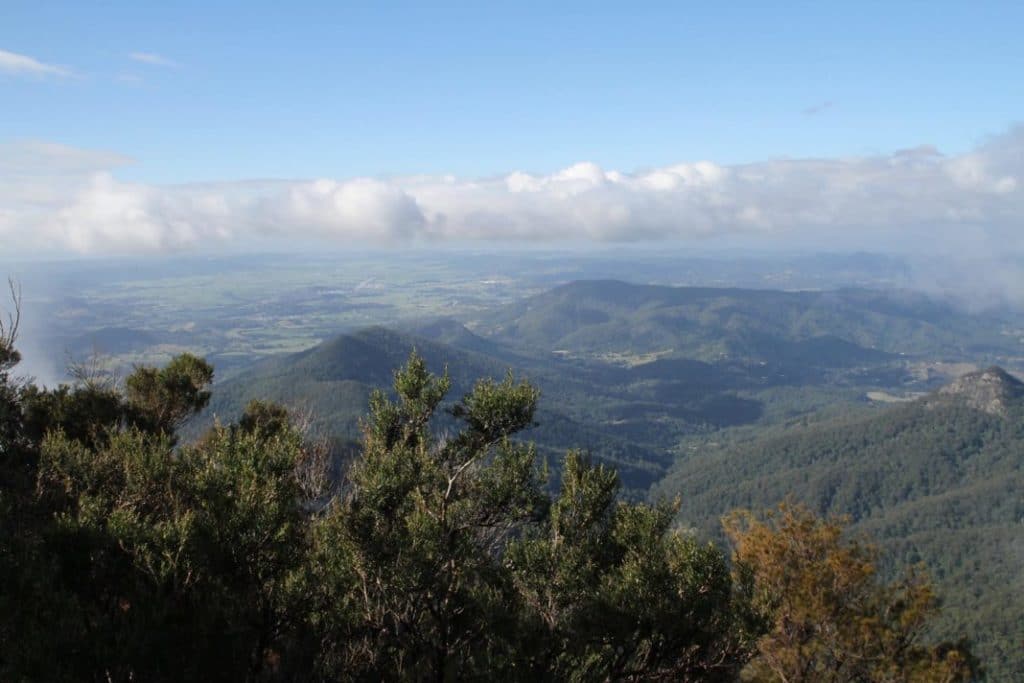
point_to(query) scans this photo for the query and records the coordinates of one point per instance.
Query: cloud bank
(54, 197)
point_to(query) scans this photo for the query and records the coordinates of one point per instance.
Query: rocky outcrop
(992, 390)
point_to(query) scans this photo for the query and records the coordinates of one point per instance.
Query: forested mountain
(939, 480)
(626, 370)
(626, 417)
(333, 382)
(833, 328)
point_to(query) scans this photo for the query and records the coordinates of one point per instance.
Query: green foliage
(411, 551)
(168, 396)
(264, 419)
(156, 400)
(441, 555)
(85, 413)
(190, 553)
(613, 594)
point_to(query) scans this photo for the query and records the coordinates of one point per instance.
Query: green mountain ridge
(847, 325)
(334, 379)
(937, 480)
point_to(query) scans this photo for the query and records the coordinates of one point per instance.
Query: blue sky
(174, 126)
(330, 89)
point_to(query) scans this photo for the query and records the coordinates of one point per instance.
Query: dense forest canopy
(936, 480)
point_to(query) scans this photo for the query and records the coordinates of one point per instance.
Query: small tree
(409, 557)
(163, 398)
(826, 615)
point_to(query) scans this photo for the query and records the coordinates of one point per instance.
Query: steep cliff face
(992, 390)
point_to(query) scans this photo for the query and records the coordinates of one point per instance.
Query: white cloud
(14, 63)
(917, 198)
(360, 209)
(152, 59)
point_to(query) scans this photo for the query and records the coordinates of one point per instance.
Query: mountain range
(731, 398)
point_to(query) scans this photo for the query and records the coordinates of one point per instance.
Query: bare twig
(94, 371)
(9, 355)
(9, 329)
(312, 471)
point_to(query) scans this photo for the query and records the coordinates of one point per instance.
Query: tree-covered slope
(332, 383)
(939, 480)
(832, 328)
(626, 371)
(630, 416)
